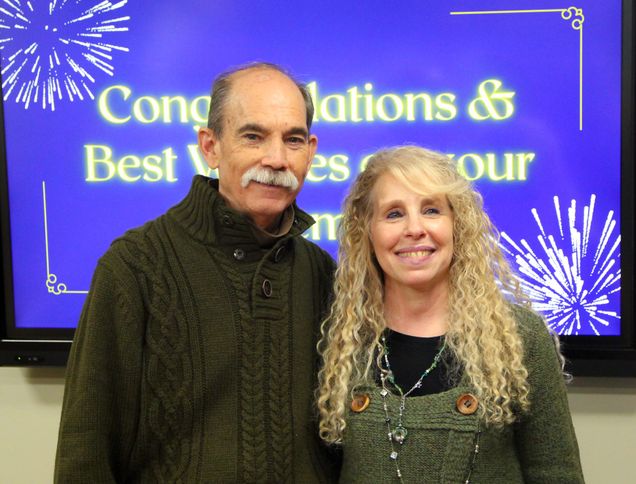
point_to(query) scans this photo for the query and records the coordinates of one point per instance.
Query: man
(194, 358)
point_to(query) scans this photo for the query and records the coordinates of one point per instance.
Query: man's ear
(209, 146)
(313, 145)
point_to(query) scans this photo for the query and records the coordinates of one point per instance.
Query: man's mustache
(260, 174)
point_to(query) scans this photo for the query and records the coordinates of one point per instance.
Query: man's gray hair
(223, 85)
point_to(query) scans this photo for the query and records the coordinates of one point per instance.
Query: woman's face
(412, 236)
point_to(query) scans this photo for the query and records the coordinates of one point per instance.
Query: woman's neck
(416, 313)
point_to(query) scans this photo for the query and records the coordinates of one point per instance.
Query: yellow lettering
(103, 104)
(368, 102)
(93, 160)
(335, 168)
(508, 168)
(339, 105)
(497, 168)
(318, 162)
(471, 166)
(139, 110)
(152, 167)
(339, 165)
(353, 101)
(101, 166)
(167, 102)
(523, 159)
(126, 163)
(397, 108)
(427, 109)
(445, 104)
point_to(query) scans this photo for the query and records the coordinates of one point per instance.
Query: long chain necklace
(398, 433)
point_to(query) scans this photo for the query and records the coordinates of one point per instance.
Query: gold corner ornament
(576, 15)
(54, 288)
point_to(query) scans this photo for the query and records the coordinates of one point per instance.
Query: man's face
(264, 133)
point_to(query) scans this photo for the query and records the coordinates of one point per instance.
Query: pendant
(399, 434)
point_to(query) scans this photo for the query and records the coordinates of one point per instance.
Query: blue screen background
(568, 257)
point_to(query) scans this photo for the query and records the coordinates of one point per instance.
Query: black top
(410, 356)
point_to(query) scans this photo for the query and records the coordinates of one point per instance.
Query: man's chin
(271, 204)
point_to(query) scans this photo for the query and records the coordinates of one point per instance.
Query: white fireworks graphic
(53, 49)
(575, 283)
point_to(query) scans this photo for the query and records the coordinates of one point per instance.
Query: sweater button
(239, 254)
(360, 402)
(280, 252)
(227, 220)
(467, 404)
(267, 288)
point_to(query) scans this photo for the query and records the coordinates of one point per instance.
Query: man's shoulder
(135, 243)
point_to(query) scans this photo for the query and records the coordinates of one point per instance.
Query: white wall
(30, 404)
(604, 413)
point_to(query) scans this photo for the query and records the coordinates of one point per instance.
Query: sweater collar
(205, 216)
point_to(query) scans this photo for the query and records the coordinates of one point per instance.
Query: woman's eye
(394, 214)
(431, 211)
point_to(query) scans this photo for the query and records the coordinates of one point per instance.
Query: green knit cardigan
(442, 442)
(194, 359)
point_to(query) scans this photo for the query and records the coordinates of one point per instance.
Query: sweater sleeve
(102, 395)
(545, 438)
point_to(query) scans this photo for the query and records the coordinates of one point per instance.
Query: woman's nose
(415, 227)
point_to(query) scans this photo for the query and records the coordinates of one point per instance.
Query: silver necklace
(398, 433)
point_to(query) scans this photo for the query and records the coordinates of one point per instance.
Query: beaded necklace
(398, 433)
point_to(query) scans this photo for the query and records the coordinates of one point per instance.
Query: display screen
(102, 101)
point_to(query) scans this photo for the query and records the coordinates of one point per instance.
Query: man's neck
(267, 237)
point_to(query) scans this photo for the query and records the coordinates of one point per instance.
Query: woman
(430, 373)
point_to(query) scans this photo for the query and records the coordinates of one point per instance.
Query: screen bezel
(586, 355)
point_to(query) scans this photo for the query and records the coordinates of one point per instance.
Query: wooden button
(360, 402)
(467, 404)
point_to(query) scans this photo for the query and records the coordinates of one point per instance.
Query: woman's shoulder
(529, 322)
(539, 341)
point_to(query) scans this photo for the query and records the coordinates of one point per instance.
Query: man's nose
(276, 155)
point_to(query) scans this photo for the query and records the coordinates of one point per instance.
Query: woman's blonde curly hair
(482, 333)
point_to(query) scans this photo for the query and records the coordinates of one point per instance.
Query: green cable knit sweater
(194, 359)
(540, 448)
